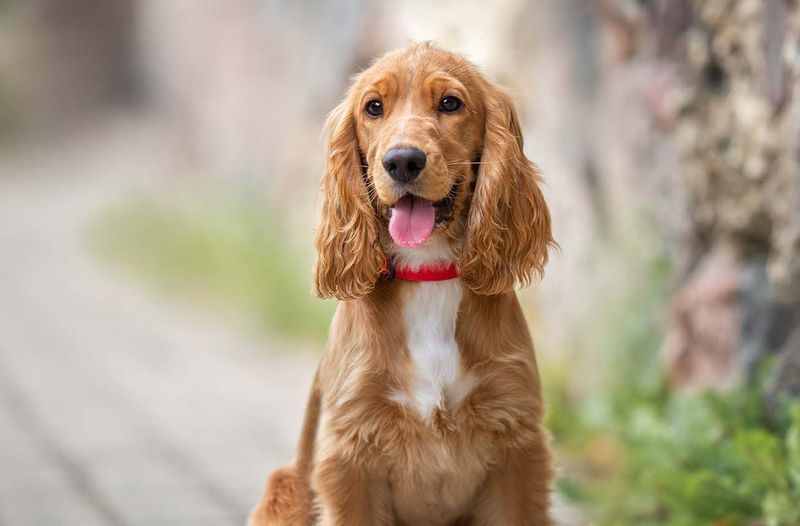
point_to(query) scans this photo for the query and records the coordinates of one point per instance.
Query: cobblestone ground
(117, 408)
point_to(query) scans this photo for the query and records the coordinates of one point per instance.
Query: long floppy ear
(508, 228)
(349, 255)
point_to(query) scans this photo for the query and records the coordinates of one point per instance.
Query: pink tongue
(412, 221)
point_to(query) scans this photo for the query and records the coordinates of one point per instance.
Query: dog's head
(424, 150)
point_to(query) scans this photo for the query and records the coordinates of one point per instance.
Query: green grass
(220, 249)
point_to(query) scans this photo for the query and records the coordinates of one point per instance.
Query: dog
(426, 407)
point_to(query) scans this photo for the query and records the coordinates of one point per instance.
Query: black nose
(404, 164)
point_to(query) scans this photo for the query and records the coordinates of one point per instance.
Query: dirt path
(117, 408)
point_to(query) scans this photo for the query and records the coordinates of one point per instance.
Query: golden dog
(426, 407)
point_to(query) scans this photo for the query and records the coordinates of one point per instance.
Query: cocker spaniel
(426, 407)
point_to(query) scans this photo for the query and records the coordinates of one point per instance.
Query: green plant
(697, 459)
(634, 453)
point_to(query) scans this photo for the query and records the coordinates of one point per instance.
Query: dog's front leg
(517, 490)
(349, 496)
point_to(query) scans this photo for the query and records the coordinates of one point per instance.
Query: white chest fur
(430, 316)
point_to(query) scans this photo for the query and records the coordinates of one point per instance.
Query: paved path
(117, 408)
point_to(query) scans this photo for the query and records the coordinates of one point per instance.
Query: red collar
(425, 273)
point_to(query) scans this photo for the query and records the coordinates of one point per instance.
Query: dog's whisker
(496, 161)
(440, 139)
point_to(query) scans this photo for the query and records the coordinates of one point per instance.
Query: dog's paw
(287, 501)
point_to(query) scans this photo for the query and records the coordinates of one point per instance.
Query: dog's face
(424, 146)
(420, 126)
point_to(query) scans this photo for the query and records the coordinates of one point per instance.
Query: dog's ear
(349, 255)
(508, 227)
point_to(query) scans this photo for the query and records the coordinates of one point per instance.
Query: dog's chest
(430, 315)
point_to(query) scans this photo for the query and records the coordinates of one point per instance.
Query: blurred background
(159, 170)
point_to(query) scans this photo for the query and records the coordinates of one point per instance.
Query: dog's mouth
(413, 218)
(444, 207)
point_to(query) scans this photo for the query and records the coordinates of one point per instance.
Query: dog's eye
(374, 108)
(449, 104)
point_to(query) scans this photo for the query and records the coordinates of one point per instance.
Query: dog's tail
(288, 499)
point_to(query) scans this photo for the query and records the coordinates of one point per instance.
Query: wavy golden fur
(376, 449)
